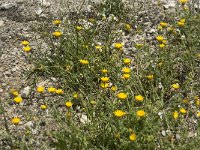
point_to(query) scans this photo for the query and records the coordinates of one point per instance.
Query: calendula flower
(98, 47)
(150, 77)
(127, 27)
(132, 137)
(104, 85)
(198, 114)
(14, 92)
(163, 24)
(25, 43)
(84, 62)
(170, 29)
(118, 46)
(57, 22)
(175, 86)
(93, 102)
(122, 95)
(79, 28)
(15, 120)
(160, 38)
(182, 110)
(139, 98)
(40, 89)
(127, 61)
(140, 113)
(104, 71)
(182, 20)
(57, 34)
(43, 107)
(126, 76)
(119, 113)
(18, 99)
(139, 45)
(181, 24)
(59, 91)
(68, 104)
(164, 41)
(104, 79)
(52, 89)
(175, 114)
(162, 45)
(27, 48)
(75, 95)
(183, 1)
(126, 70)
(114, 88)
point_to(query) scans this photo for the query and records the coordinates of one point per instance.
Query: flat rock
(6, 6)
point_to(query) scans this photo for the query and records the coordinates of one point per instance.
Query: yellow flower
(122, 95)
(182, 20)
(162, 45)
(170, 29)
(59, 91)
(79, 28)
(93, 102)
(182, 110)
(18, 99)
(25, 43)
(198, 114)
(127, 27)
(164, 41)
(160, 38)
(43, 107)
(138, 45)
(126, 70)
(40, 89)
(150, 77)
(140, 113)
(104, 79)
(57, 34)
(127, 61)
(114, 88)
(104, 85)
(181, 24)
(126, 76)
(69, 104)
(57, 22)
(84, 62)
(132, 137)
(163, 24)
(175, 86)
(139, 98)
(15, 120)
(27, 48)
(98, 47)
(75, 95)
(118, 46)
(52, 89)
(104, 71)
(183, 1)
(119, 113)
(175, 115)
(14, 92)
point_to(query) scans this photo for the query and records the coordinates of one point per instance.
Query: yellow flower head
(104, 79)
(75, 95)
(119, 113)
(160, 38)
(59, 91)
(79, 28)
(104, 85)
(150, 77)
(181, 24)
(43, 107)
(27, 48)
(18, 99)
(139, 98)
(175, 115)
(93, 102)
(182, 110)
(122, 95)
(98, 47)
(57, 34)
(182, 20)
(24, 43)
(126, 76)
(14, 92)
(183, 1)
(57, 22)
(84, 62)
(127, 27)
(162, 45)
(198, 114)
(132, 137)
(68, 104)
(40, 89)
(170, 29)
(140, 113)
(118, 46)
(127, 61)
(175, 86)
(126, 70)
(114, 88)
(104, 71)
(15, 120)
(52, 89)
(163, 24)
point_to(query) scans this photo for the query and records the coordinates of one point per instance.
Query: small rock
(38, 11)
(29, 124)
(84, 119)
(1, 23)
(6, 6)
(26, 91)
(45, 3)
